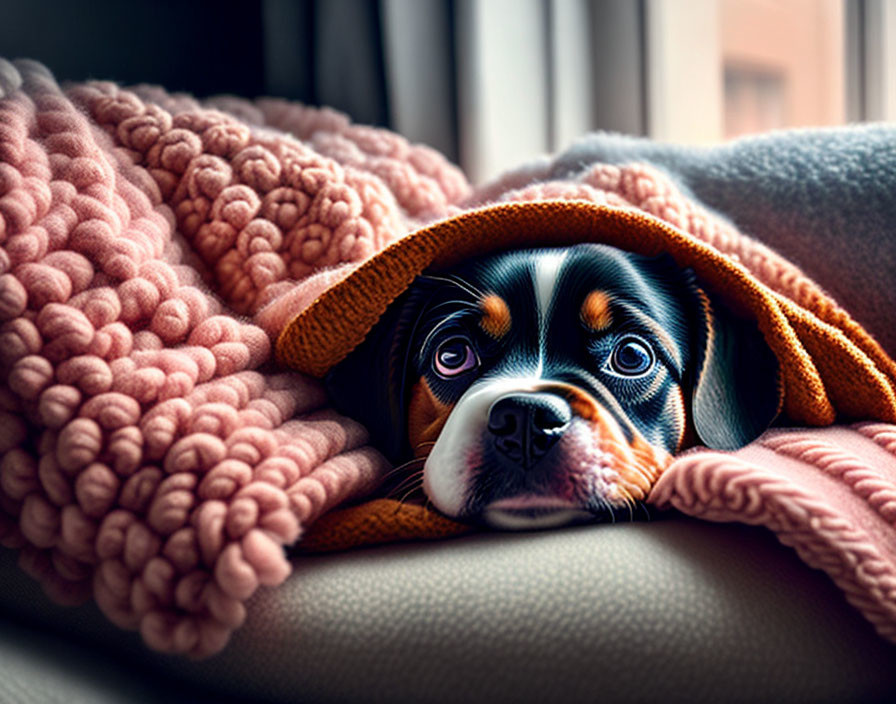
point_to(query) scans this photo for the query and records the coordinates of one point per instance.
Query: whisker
(412, 475)
(409, 486)
(603, 507)
(459, 302)
(410, 491)
(402, 467)
(411, 481)
(462, 282)
(404, 498)
(459, 282)
(628, 502)
(446, 321)
(644, 508)
(429, 506)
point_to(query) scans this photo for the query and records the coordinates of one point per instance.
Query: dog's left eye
(454, 356)
(631, 356)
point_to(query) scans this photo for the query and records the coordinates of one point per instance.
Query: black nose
(526, 425)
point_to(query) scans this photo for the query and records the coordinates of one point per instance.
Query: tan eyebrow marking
(495, 316)
(596, 312)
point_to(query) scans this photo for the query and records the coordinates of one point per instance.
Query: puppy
(543, 387)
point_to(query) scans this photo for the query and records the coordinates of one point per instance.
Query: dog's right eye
(631, 357)
(454, 356)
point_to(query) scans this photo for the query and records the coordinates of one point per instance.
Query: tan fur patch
(426, 418)
(580, 402)
(595, 311)
(639, 467)
(637, 463)
(495, 316)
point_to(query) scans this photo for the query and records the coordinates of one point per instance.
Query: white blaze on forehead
(545, 276)
(446, 474)
(547, 266)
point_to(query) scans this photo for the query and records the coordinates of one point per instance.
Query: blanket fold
(156, 251)
(149, 454)
(828, 493)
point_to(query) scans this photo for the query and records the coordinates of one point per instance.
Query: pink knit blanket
(829, 493)
(148, 456)
(153, 457)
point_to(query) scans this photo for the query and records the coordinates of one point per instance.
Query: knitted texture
(147, 455)
(828, 493)
(376, 522)
(152, 247)
(823, 198)
(829, 365)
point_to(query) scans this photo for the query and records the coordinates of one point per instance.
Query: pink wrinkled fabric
(829, 493)
(148, 457)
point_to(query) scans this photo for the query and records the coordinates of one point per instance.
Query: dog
(549, 386)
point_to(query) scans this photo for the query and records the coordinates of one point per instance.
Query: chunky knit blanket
(155, 457)
(150, 455)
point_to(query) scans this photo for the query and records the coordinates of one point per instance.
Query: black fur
(728, 371)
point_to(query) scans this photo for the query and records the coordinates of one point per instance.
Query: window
(756, 99)
(723, 68)
(530, 76)
(783, 64)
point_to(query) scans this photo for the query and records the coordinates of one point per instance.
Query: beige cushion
(673, 609)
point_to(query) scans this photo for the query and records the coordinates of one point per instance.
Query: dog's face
(541, 387)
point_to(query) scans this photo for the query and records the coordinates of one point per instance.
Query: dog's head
(540, 387)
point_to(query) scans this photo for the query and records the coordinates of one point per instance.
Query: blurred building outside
(783, 64)
(534, 75)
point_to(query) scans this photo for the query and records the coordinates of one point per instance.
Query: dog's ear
(736, 392)
(371, 384)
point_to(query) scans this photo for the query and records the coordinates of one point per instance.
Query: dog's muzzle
(526, 453)
(524, 427)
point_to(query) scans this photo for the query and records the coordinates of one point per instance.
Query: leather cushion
(673, 609)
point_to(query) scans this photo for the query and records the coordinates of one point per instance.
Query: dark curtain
(335, 53)
(320, 52)
(327, 52)
(204, 47)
